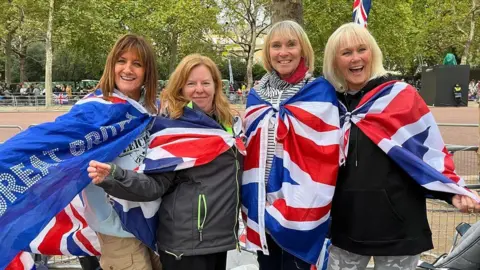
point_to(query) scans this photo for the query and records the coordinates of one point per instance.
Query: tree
(471, 17)
(395, 35)
(13, 18)
(321, 22)
(245, 22)
(29, 32)
(48, 49)
(176, 27)
(287, 10)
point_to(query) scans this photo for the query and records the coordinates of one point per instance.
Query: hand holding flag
(98, 171)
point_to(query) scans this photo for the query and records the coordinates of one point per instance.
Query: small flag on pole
(230, 73)
(361, 8)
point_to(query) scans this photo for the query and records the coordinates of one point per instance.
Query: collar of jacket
(195, 107)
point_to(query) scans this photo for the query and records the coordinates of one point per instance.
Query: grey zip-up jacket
(200, 205)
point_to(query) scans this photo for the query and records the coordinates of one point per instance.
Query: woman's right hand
(98, 171)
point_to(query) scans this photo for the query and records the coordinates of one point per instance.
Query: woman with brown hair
(130, 71)
(198, 216)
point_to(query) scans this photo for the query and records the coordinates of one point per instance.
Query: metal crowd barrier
(443, 217)
(17, 100)
(10, 127)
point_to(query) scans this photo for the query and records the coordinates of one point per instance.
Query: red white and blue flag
(294, 205)
(361, 8)
(43, 169)
(23, 261)
(192, 140)
(396, 118)
(60, 98)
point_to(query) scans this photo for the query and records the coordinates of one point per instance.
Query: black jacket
(200, 205)
(378, 209)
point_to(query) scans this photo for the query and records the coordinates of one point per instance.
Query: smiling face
(200, 88)
(353, 61)
(285, 54)
(129, 74)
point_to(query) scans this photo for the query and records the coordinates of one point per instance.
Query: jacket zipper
(235, 232)
(201, 201)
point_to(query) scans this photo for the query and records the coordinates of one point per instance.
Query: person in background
(471, 89)
(130, 71)
(68, 90)
(378, 209)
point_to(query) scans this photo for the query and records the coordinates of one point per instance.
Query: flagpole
(230, 73)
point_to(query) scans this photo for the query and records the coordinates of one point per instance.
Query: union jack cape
(192, 140)
(43, 169)
(395, 117)
(294, 205)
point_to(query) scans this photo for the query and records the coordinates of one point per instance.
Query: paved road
(451, 135)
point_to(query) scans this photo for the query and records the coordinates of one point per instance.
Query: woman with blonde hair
(285, 201)
(130, 72)
(199, 186)
(390, 160)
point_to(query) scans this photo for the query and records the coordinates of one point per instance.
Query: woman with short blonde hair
(378, 207)
(344, 36)
(288, 29)
(288, 58)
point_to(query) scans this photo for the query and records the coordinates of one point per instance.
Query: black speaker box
(438, 83)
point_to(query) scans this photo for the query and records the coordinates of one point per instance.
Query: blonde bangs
(350, 35)
(290, 30)
(351, 39)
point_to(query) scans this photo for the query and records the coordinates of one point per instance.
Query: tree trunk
(471, 35)
(287, 10)
(8, 59)
(22, 56)
(173, 52)
(251, 52)
(49, 57)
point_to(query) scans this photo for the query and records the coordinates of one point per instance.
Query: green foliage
(84, 32)
(406, 31)
(239, 68)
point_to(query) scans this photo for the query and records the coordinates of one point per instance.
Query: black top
(378, 209)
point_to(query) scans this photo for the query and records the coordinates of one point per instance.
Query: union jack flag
(23, 261)
(396, 118)
(361, 8)
(192, 140)
(60, 98)
(294, 205)
(44, 169)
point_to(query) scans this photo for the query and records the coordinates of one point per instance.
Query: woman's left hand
(466, 204)
(98, 171)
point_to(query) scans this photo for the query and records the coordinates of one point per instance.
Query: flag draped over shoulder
(396, 118)
(43, 168)
(23, 261)
(175, 144)
(361, 8)
(294, 205)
